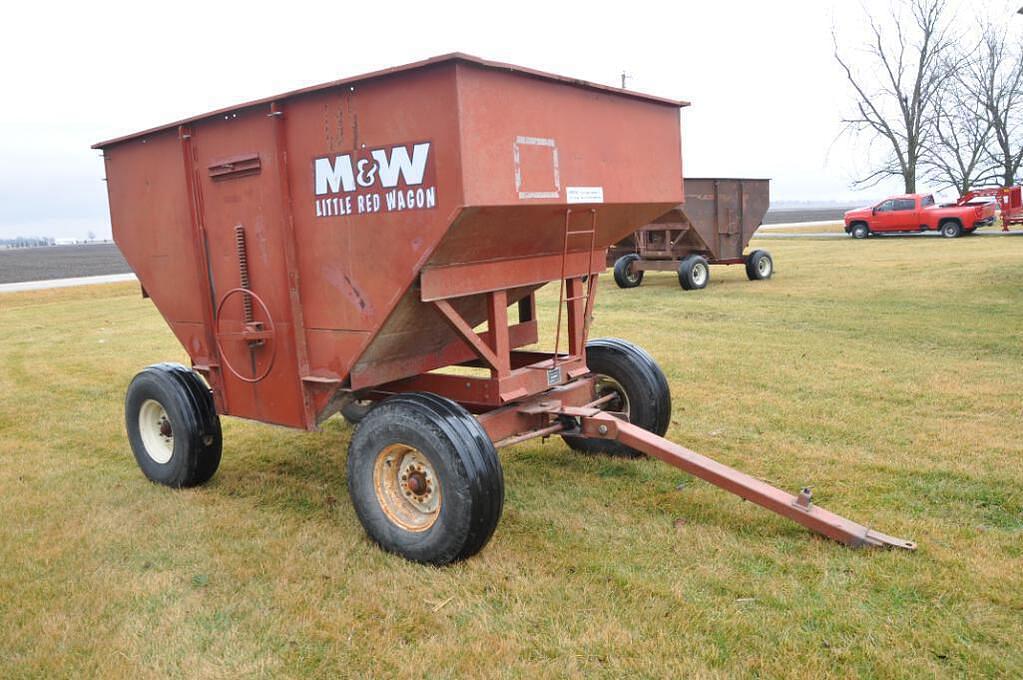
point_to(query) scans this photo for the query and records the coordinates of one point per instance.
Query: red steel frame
(1009, 200)
(519, 401)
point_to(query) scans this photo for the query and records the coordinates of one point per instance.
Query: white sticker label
(584, 194)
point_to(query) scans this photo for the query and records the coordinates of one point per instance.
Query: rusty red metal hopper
(333, 248)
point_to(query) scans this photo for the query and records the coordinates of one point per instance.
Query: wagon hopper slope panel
(339, 209)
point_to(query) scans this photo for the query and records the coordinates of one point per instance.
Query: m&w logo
(387, 179)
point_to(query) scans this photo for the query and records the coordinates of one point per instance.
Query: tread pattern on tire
(621, 271)
(685, 272)
(752, 273)
(654, 417)
(484, 478)
(202, 437)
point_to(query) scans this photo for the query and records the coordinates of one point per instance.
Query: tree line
(941, 94)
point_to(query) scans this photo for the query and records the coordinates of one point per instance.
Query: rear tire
(641, 388)
(355, 411)
(173, 427)
(759, 265)
(625, 277)
(951, 229)
(859, 231)
(425, 479)
(693, 272)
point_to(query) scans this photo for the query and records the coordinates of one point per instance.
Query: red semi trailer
(348, 241)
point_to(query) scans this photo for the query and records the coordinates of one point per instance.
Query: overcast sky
(767, 95)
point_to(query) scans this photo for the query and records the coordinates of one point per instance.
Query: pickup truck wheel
(860, 231)
(951, 229)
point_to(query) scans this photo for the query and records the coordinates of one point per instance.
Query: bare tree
(896, 102)
(994, 78)
(956, 154)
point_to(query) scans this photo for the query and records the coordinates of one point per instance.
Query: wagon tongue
(601, 424)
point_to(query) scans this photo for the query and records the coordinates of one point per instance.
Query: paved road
(800, 215)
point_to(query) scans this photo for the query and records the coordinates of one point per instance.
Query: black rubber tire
(645, 387)
(951, 229)
(859, 231)
(759, 265)
(623, 277)
(355, 411)
(193, 420)
(466, 466)
(689, 272)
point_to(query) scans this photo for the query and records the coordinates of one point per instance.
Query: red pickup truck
(918, 212)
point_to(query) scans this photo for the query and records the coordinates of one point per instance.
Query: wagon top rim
(432, 61)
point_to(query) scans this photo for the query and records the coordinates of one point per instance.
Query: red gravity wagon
(343, 243)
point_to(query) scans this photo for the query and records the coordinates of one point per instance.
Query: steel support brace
(498, 363)
(599, 424)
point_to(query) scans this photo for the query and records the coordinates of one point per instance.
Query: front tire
(759, 265)
(625, 276)
(951, 229)
(859, 231)
(693, 272)
(173, 427)
(425, 479)
(641, 390)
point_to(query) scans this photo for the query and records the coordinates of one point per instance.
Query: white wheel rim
(156, 432)
(699, 273)
(764, 266)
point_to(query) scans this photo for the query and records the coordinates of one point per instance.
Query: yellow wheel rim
(407, 487)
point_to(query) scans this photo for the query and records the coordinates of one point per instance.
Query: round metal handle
(268, 335)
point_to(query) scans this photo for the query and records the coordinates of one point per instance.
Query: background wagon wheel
(172, 425)
(639, 387)
(759, 265)
(625, 275)
(425, 479)
(693, 272)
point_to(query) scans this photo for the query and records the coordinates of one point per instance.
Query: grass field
(885, 374)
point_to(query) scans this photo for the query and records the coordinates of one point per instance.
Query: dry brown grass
(885, 373)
